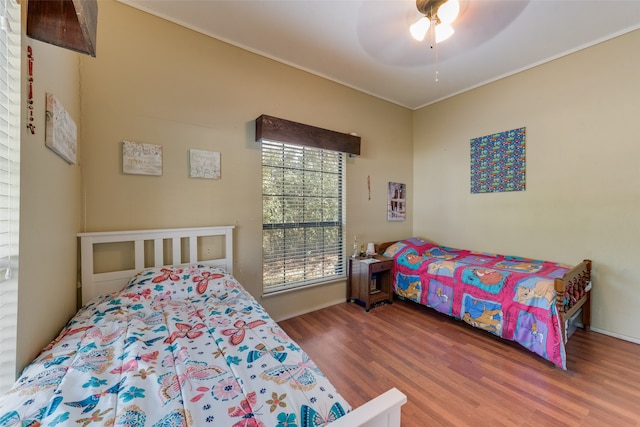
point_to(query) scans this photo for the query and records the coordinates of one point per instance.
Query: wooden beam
(288, 132)
(71, 24)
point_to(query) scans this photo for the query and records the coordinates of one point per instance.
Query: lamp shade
(448, 12)
(420, 28)
(443, 32)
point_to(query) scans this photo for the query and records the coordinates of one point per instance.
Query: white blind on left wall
(10, 40)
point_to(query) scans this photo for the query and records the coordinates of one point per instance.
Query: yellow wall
(156, 82)
(582, 197)
(49, 204)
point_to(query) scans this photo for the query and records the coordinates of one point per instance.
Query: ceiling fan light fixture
(448, 11)
(438, 15)
(419, 29)
(443, 32)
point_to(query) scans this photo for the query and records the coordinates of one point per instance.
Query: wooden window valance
(71, 24)
(288, 132)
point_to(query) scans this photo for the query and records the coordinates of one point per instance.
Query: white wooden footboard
(382, 411)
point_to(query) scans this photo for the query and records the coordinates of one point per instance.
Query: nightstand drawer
(381, 266)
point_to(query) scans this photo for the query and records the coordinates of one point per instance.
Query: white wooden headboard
(94, 284)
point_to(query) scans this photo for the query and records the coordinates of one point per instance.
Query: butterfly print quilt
(511, 297)
(179, 346)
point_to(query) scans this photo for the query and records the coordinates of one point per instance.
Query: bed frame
(94, 283)
(382, 411)
(573, 292)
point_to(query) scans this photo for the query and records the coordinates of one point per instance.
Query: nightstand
(369, 280)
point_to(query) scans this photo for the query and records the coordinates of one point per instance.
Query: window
(9, 186)
(303, 215)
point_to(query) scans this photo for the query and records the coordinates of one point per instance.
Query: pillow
(178, 281)
(392, 250)
(416, 241)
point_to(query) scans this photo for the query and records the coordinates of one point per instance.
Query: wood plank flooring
(454, 374)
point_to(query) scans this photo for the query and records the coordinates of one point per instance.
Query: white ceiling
(366, 45)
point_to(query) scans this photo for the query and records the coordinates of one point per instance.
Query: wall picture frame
(396, 201)
(141, 158)
(498, 162)
(61, 132)
(204, 164)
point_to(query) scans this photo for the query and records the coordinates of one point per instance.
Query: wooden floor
(453, 374)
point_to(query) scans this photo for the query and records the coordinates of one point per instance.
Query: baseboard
(319, 307)
(613, 334)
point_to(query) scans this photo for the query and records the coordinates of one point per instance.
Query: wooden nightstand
(369, 280)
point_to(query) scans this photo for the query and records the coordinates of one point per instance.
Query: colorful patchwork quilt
(511, 297)
(179, 346)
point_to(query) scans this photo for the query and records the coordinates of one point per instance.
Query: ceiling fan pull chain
(432, 39)
(437, 74)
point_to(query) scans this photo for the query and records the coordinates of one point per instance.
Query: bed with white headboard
(95, 283)
(175, 339)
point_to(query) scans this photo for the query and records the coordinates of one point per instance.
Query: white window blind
(9, 186)
(303, 216)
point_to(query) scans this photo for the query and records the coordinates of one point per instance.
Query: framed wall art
(396, 202)
(61, 132)
(141, 159)
(498, 162)
(204, 164)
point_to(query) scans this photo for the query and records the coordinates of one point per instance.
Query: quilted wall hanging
(498, 162)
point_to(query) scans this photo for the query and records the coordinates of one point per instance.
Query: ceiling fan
(438, 15)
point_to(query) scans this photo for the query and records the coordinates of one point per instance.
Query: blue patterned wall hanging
(498, 162)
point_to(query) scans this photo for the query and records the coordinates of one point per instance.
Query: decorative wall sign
(498, 162)
(60, 130)
(396, 202)
(141, 159)
(204, 164)
(30, 118)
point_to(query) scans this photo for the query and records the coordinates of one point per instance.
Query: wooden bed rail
(573, 292)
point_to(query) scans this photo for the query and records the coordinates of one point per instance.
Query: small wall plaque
(141, 159)
(204, 164)
(61, 133)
